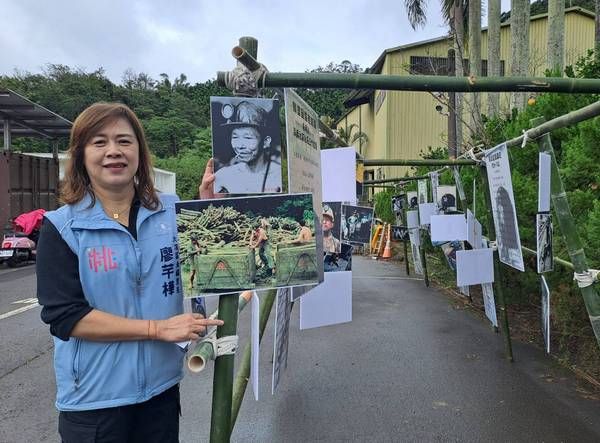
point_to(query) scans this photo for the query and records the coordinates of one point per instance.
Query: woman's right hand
(183, 327)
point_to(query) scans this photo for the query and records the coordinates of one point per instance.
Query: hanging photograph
(446, 198)
(246, 145)
(413, 200)
(400, 233)
(398, 203)
(435, 182)
(332, 227)
(503, 207)
(450, 250)
(422, 191)
(545, 313)
(356, 224)
(543, 228)
(247, 243)
(489, 304)
(415, 241)
(339, 262)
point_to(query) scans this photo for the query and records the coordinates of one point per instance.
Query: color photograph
(246, 145)
(356, 224)
(247, 243)
(339, 262)
(332, 227)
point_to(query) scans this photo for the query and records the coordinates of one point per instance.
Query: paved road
(412, 366)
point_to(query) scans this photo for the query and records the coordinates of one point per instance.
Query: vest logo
(101, 259)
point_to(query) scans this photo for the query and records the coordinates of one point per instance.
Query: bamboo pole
(568, 229)
(220, 423)
(558, 261)
(395, 180)
(243, 374)
(419, 162)
(498, 273)
(428, 83)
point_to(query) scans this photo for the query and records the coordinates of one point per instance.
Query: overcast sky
(195, 37)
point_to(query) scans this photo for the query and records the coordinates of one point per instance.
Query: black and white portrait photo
(446, 198)
(356, 224)
(332, 227)
(545, 260)
(246, 145)
(413, 200)
(398, 203)
(503, 207)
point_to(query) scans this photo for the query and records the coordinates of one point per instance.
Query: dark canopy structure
(24, 118)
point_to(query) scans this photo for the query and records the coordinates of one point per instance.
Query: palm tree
(519, 39)
(493, 65)
(556, 35)
(349, 138)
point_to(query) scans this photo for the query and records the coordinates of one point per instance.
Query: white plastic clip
(493, 245)
(222, 346)
(587, 278)
(525, 138)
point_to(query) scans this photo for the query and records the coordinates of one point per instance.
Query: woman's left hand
(206, 188)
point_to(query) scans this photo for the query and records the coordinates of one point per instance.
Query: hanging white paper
(544, 173)
(473, 230)
(488, 302)
(474, 267)
(546, 313)
(338, 174)
(415, 241)
(448, 228)
(329, 303)
(503, 207)
(255, 343)
(412, 219)
(426, 210)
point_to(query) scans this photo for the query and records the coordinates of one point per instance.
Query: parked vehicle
(19, 245)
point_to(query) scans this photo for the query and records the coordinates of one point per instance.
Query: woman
(256, 166)
(110, 288)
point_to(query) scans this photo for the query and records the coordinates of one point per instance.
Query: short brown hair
(77, 182)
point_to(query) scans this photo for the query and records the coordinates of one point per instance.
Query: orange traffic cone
(387, 252)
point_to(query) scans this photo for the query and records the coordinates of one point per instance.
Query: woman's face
(111, 156)
(246, 142)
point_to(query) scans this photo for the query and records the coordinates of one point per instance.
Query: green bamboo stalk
(395, 180)
(223, 378)
(424, 263)
(419, 162)
(498, 272)
(406, 257)
(243, 374)
(558, 261)
(568, 229)
(430, 83)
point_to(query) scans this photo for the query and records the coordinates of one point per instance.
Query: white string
(493, 245)
(221, 346)
(587, 278)
(244, 82)
(525, 137)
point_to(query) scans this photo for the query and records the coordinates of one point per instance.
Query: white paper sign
(338, 174)
(544, 172)
(503, 207)
(448, 228)
(474, 267)
(546, 313)
(330, 303)
(426, 210)
(283, 311)
(255, 340)
(412, 219)
(473, 230)
(488, 303)
(304, 158)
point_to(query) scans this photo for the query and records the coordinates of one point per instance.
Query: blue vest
(126, 277)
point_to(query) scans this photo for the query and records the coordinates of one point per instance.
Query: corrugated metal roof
(28, 119)
(361, 96)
